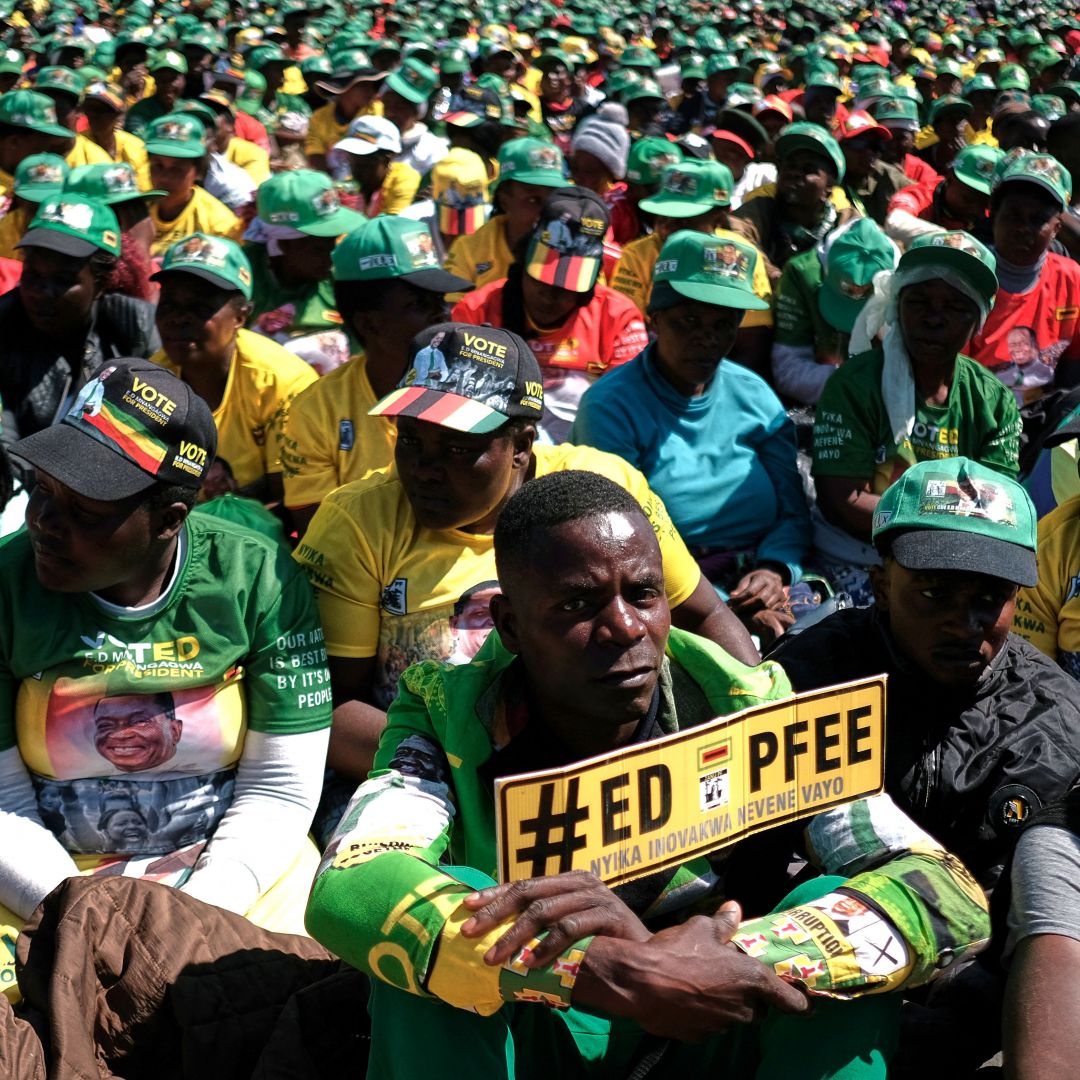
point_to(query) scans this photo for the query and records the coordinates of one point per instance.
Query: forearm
(277, 789)
(34, 862)
(706, 615)
(1042, 1002)
(354, 738)
(797, 374)
(904, 227)
(853, 512)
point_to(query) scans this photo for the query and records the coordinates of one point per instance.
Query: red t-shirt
(1027, 334)
(247, 127)
(606, 332)
(918, 170)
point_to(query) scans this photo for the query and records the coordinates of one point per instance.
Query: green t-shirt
(798, 319)
(131, 722)
(853, 438)
(268, 117)
(283, 312)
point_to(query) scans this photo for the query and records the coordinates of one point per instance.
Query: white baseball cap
(367, 134)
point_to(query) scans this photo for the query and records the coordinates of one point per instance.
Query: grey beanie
(603, 134)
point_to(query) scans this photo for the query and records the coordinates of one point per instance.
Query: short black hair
(358, 297)
(550, 501)
(163, 495)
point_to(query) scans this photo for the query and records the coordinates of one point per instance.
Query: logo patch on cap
(76, 216)
(421, 249)
(376, 262)
(119, 179)
(855, 292)
(681, 183)
(45, 173)
(327, 202)
(545, 157)
(727, 261)
(203, 249)
(969, 498)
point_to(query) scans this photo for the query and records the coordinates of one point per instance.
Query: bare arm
(1042, 1002)
(848, 503)
(705, 614)
(357, 724)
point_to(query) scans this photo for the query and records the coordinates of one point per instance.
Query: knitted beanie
(603, 134)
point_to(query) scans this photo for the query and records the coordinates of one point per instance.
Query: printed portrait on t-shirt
(471, 621)
(135, 732)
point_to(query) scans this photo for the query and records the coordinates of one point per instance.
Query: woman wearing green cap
(299, 221)
(710, 436)
(912, 397)
(803, 210)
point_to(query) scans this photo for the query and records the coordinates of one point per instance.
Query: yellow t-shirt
(254, 160)
(481, 256)
(838, 197)
(7, 183)
(87, 152)
(203, 214)
(132, 149)
(329, 438)
(399, 188)
(633, 275)
(1048, 615)
(390, 589)
(12, 229)
(324, 130)
(263, 380)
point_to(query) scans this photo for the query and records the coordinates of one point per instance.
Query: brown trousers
(127, 978)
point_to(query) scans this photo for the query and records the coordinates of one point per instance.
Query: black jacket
(969, 767)
(36, 378)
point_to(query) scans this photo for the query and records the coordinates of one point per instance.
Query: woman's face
(804, 179)
(197, 321)
(936, 321)
(521, 204)
(308, 258)
(548, 305)
(57, 291)
(1025, 224)
(691, 340)
(174, 175)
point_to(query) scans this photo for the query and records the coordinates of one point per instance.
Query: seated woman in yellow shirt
(176, 144)
(247, 380)
(103, 106)
(37, 177)
(386, 186)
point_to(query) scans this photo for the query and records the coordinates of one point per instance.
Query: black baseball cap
(469, 378)
(132, 425)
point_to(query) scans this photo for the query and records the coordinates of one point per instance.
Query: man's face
(548, 305)
(1025, 224)
(168, 86)
(819, 104)
(57, 291)
(405, 311)
(965, 203)
(901, 144)
(84, 545)
(472, 626)
(804, 179)
(197, 321)
(861, 152)
(592, 621)
(454, 479)
(521, 203)
(588, 171)
(400, 112)
(950, 624)
(308, 258)
(135, 733)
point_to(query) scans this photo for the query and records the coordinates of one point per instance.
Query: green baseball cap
(1042, 170)
(1049, 106)
(638, 56)
(1013, 77)
(692, 66)
(646, 87)
(700, 266)
(39, 176)
(955, 514)
(724, 61)
(414, 81)
(264, 55)
(979, 83)
(110, 184)
(12, 62)
(960, 252)
(647, 159)
(898, 113)
(305, 200)
(60, 80)
(389, 247)
(1069, 92)
(178, 134)
(196, 107)
(803, 135)
(690, 188)
(166, 60)
(33, 111)
(73, 225)
(213, 258)
(853, 255)
(823, 79)
(974, 166)
(531, 161)
(948, 103)
(453, 60)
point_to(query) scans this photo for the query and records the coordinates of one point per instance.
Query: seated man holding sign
(585, 662)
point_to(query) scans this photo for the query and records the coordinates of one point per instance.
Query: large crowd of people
(399, 397)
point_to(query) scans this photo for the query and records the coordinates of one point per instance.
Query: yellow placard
(658, 804)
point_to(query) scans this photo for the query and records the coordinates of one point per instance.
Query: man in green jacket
(585, 661)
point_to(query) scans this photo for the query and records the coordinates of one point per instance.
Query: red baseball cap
(861, 122)
(731, 137)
